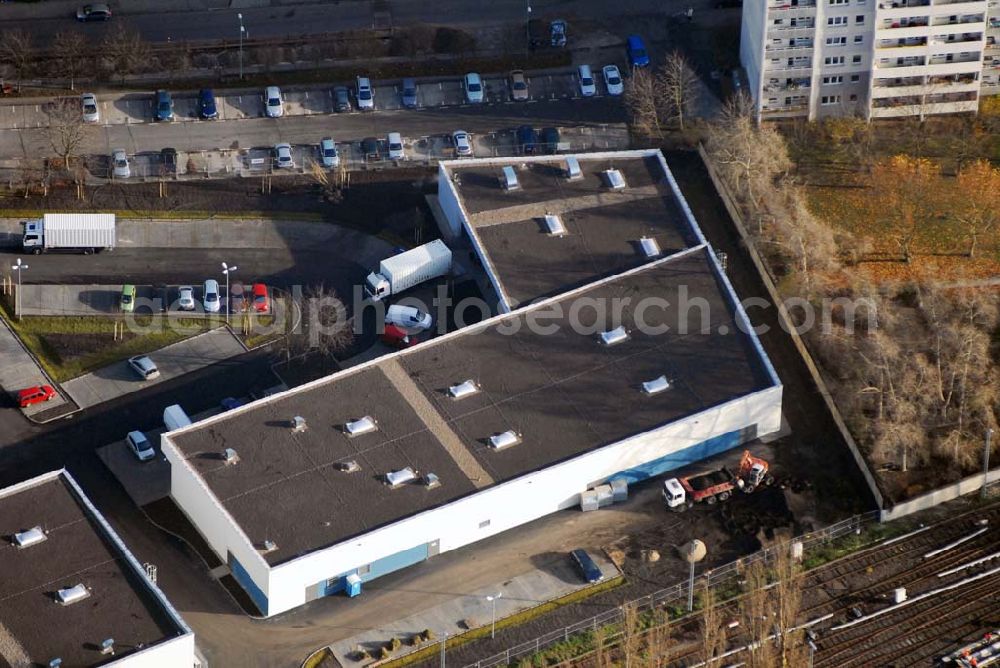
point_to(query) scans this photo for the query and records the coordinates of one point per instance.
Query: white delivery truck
(70, 232)
(401, 272)
(174, 417)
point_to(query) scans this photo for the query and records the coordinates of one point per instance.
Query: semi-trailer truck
(402, 272)
(70, 233)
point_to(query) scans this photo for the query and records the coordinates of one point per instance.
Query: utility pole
(226, 270)
(444, 642)
(19, 267)
(986, 456)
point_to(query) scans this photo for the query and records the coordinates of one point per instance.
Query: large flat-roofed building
(70, 590)
(647, 365)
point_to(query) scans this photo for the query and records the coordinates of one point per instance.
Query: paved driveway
(174, 360)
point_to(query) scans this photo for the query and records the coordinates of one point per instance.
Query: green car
(128, 298)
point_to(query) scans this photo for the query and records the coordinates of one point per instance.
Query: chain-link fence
(677, 594)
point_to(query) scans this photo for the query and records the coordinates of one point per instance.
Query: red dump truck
(681, 493)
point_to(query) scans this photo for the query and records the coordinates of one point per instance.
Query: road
(177, 20)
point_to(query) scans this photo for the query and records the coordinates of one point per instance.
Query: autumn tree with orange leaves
(977, 187)
(903, 198)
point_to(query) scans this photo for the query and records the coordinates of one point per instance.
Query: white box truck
(401, 272)
(70, 232)
(174, 417)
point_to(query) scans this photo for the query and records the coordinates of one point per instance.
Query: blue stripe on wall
(394, 562)
(241, 575)
(676, 460)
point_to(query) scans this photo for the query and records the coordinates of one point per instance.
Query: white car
(91, 113)
(210, 298)
(273, 103)
(473, 85)
(119, 162)
(365, 94)
(462, 142)
(140, 446)
(613, 80)
(328, 152)
(394, 140)
(283, 156)
(587, 86)
(408, 317)
(186, 300)
(144, 367)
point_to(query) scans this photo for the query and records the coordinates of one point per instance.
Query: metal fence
(677, 594)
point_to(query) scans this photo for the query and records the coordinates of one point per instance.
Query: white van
(587, 86)
(174, 417)
(408, 317)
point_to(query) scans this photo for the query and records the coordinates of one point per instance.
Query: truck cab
(377, 286)
(33, 236)
(673, 493)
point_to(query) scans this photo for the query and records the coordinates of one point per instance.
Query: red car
(261, 304)
(398, 338)
(35, 395)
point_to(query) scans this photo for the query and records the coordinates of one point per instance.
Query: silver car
(140, 446)
(91, 114)
(144, 366)
(328, 152)
(283, 156)
(463, 143)
(273, 104)
(186, 300)
(119, 162)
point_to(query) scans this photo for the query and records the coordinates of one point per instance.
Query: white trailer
(401, 272)
(70, 232)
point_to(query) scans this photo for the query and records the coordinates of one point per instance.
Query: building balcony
(789, 5)
(962, 20)
(915, 107)
(787, 49)
(790, 32)
(952, 3)
(903, 4)
(909, 42)
(958, 38)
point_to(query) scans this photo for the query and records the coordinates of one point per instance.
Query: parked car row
(258, 300)
(163, 106)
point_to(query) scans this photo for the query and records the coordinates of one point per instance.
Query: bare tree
(756, 612)
(788, 604)
(630, 634)
(903, 192)
(713, 635)
(642, 102)
(74, 54)
(977, 186)
(658, 644)
(325, 328)
(66, 128)
(15, 50)
(125, 50)
(678, 88)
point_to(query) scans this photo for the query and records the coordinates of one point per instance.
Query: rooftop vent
(349, 466)
(504, 439)
(649, 247)
(656, 385)
(554, 225)
(229, 456)
(360, 426)
(508, 179)
(431, 481)
(268, 546)
(298, 423)
(573, 171)
(464, 389)
(615, 179)
(616, 335)
(70, 595)
(401, 477)
(29, 537)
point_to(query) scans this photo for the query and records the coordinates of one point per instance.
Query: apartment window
(855, 78)
(831, 81)
(829, 99)
(833, 60)
(778, 22)
(838, 2)
(836, 41)
(856, 59)
(837, 21)
(858, 39)
(484, 524)
(853, 98)
(859, 19)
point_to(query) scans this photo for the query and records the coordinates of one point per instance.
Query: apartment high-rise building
(873, 58)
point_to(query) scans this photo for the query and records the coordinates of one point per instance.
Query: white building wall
(213, 522)
(752, 32)
(448, 200)
(519, 501)
(177, 652)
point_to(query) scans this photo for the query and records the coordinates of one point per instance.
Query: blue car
(206, 104)
(584, 563)
(164, 106)
(409, 93)
(637, 54)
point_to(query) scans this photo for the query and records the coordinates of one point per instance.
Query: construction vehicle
(682, 493)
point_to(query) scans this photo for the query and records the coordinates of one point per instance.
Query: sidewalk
(19, 370)
(51, 9)
(554, 579)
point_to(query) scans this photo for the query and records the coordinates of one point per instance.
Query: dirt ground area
(376, 202)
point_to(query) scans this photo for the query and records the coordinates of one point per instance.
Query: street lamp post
(19, 267)
(493, 600)
(226, 270)
(242, 32)
(527, 27)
